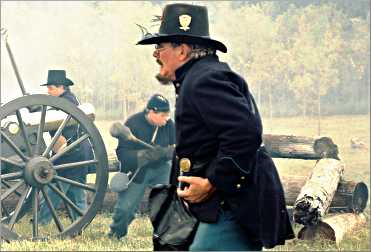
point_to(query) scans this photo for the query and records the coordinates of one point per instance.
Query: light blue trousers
(75, 194)
(226, 234)
(128, 201)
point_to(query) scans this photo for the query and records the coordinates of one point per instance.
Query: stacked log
(299, 147)
(316, 195)
(324, 191)
(350, 196)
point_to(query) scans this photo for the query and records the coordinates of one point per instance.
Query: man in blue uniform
(59, 86)
(233, 189)
(152, 126)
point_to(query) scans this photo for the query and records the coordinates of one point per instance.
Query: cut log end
(306, 211)
(320, 231)
(360, 198)
(333, 228)
(326, 148)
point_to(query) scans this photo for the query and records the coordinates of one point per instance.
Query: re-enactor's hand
(199, 189)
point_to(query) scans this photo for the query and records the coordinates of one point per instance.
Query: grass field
(340, 128)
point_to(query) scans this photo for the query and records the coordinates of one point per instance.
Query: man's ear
(184, 52)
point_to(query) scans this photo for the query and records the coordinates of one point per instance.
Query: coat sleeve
(227, 111)
(126, 152)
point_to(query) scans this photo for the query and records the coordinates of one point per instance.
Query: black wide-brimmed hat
(184, 23)
(57, 77)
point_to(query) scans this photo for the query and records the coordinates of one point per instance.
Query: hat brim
(161, 38)
(66, 82)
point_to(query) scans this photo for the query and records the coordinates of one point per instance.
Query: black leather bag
(173, 224)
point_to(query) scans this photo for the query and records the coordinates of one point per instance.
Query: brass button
(238, 186)
(185, 165)
(222, 202)
(243, 177)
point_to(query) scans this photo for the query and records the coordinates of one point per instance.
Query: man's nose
(155, 54)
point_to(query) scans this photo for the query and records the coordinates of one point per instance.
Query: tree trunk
(316, 195)
(284, 146)
(350, 196)
(319, 110)
(333, 228)
(270, 104)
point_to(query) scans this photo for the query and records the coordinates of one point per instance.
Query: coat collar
(181, 72)
(64, 94)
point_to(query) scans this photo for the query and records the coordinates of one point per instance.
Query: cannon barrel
(53, 119)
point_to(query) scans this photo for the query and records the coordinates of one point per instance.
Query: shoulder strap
(154, 136)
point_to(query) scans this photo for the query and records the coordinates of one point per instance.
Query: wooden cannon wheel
(29, 172)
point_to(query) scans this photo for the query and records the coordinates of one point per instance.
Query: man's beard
(163, 79)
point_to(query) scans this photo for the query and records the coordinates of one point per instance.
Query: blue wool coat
(127, 151)
(218, 127)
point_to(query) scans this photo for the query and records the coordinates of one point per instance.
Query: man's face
(170, 59)
(55, 90)
(158, 118)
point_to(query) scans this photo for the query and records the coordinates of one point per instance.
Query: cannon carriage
(28, 169)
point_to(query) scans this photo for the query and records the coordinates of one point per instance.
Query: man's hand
(60, 144)
(152, 155)
(199, 189)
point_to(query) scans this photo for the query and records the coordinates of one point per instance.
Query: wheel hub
(39, 171)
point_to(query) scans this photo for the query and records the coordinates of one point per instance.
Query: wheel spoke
(35, 206)
(69, 147)
(52, 210)
(8, 186)
(4, 210)
(57, 135)
(40, 131)
(24, 132)
(66, 199)
(13, 146)
(75, 183)
(69, 209)
(18, 207)
(75, 164)
(12, 175)
(11, 190)
(13, 163)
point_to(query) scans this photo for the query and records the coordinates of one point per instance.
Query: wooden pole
(333, 228)
(316, 195)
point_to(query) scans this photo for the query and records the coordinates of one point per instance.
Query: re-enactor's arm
(238, 130)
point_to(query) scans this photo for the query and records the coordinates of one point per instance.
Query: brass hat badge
(184, 21)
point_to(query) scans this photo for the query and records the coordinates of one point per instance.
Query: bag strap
(154, 136)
